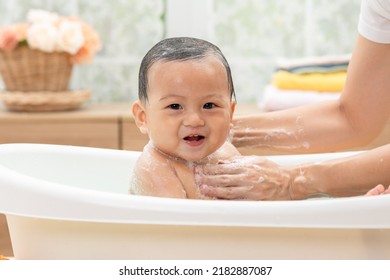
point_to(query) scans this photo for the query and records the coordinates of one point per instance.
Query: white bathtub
(64, 202)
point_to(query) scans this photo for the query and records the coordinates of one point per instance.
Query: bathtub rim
(170, 211)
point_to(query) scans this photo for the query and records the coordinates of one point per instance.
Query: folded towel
(331, 82)
(325, 68)
(312, 61)
(275, 99)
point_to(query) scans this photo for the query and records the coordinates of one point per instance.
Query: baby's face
(189, 111)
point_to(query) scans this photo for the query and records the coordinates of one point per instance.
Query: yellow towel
(329, 82)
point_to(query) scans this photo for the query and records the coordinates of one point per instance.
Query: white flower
(35, 16)
(70, 37)
(42, 36)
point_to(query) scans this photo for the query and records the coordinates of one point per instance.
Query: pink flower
(12, 35)
(91, 45)
(8, 39)
(20, 30)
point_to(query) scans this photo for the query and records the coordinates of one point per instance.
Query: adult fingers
(376, 190)
(221, 180)
(222, 168)
(232, 193)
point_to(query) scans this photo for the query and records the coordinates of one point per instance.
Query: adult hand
(380, 189)
(245, 178)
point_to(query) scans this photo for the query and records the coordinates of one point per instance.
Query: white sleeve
(374, 21)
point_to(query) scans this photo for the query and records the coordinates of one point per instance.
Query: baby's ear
(232, 108)
(139, 115)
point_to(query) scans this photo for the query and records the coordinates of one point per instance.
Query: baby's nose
(193, 119)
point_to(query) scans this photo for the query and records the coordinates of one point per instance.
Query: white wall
(190, 18)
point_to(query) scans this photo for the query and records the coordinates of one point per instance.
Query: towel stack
(302, 81)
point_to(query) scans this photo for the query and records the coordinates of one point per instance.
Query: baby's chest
(187, 178)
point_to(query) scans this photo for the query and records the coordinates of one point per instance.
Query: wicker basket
(44, 101)
(27, 70)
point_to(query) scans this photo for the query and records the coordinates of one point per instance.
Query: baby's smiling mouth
(194, 138)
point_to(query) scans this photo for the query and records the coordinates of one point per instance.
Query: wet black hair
(179, 49)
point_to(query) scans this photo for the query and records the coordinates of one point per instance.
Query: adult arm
(353, 120)
(255, 178)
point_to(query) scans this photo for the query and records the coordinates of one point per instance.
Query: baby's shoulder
(150, 161)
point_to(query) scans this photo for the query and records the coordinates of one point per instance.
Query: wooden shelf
(92, 126)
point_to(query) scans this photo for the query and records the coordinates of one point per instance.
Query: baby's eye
(209, 105)
(175, 106)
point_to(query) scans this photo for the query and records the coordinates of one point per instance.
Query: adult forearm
(349, 176)
(317, 128)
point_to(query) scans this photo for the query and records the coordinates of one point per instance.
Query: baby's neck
(179, 159)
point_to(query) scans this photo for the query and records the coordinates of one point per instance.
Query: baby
(186, 104)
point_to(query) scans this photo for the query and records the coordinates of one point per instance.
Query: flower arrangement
(36, 61)
(49, 32)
